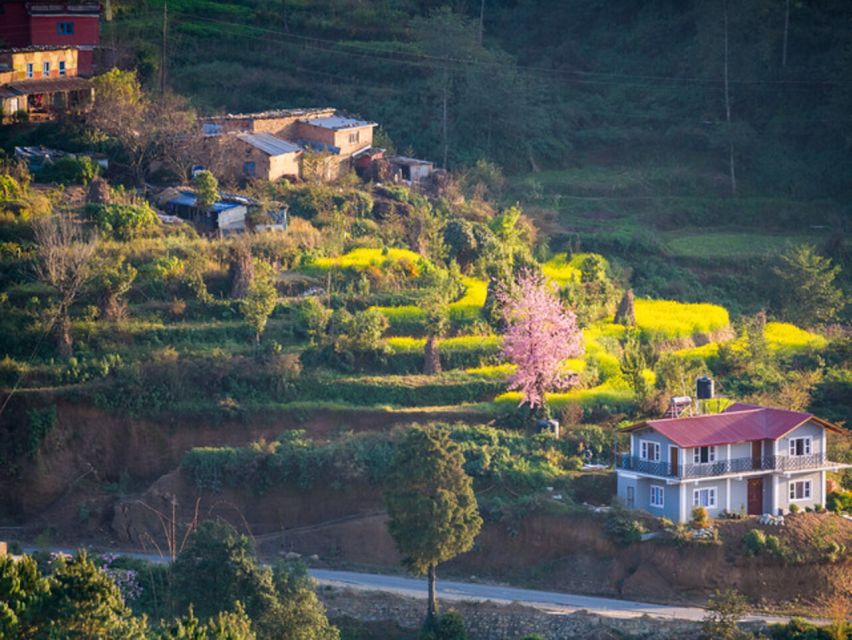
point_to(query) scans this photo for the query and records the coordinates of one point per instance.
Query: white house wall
(817, 489)
(809, 429)
(642, 495)
(739, 494)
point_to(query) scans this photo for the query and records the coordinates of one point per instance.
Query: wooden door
(755, 496)
(756, 454)
(673, 461)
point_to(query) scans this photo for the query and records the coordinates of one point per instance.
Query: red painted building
(61, 24)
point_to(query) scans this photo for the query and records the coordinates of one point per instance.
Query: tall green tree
(22, 591)
(206, 189)
(806, 289)
(84, 603)
(260, 300)
(433, 511)
(437, 289)
(217, 570)
(113, 278)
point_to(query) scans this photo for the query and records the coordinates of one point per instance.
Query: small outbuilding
(228, 215)
(411, 170)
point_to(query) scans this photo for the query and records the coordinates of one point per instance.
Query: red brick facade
(60, 24)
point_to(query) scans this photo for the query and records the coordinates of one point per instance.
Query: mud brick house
(285, 142)
(41, 82)
(263, 156)
(52, 24)
(748, 459)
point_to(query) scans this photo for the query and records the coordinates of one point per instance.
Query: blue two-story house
(746, 459)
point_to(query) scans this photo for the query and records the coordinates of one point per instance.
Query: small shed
(228, 215)
(411, 169)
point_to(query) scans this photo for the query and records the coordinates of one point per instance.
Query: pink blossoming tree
(541, 334)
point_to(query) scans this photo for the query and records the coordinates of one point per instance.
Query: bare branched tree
(65, 255)
(175, 541)
(178, 139)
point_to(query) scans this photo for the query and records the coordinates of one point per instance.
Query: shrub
(69, 170)
(40, 423)
(839, 501)
(122, 221)
(724, 610)
(700, 518)
(794, 508)
(10, 189)
(757, 543)
(622, 529)
(449, 626)
(833, 551)
(799, 629)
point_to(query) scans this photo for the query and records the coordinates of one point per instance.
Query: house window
(704, 454)
(62, 67)
(30, 71)
(45, 70)
(249, 168)
(704, 497)
(800, 490)
(65, 28)
(800, 446)
(354, 137)
(657, 499)
(649, 450)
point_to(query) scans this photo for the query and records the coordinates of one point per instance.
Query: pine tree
(806, 293)
(433, 511)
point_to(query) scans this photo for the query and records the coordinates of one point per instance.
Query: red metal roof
(738, 423)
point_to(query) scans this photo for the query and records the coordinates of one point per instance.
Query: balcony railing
(720, 467)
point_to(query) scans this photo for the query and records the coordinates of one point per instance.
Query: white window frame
(807, 490)
(807, 446)
(62, 67)
(30, 69)
(660, 492)
(45, 69)
(711, 454)
(711, 497)
(645, 447)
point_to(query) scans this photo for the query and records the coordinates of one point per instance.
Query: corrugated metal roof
(49, 85)
(738, 423)
(268, 143)
(337, 123)
(188, 199)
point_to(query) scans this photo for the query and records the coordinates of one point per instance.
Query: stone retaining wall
(487, 621)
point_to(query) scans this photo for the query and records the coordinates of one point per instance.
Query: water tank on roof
(704, 388)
